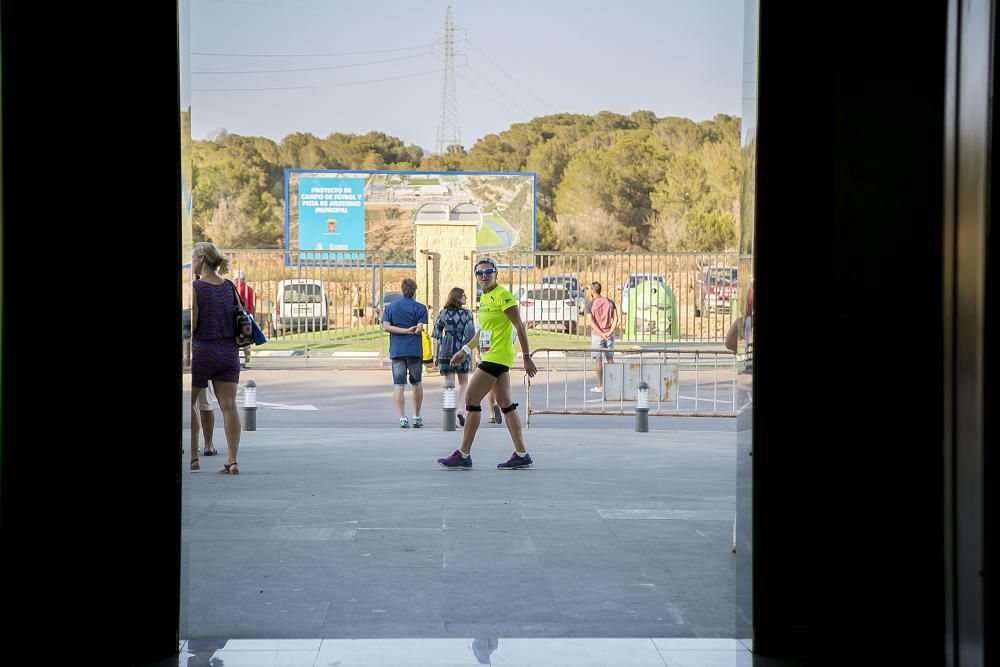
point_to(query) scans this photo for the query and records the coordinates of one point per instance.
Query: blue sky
(519, 59)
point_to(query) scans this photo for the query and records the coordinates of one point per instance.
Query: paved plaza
(342, 528)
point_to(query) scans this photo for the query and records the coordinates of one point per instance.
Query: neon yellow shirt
(492, 320)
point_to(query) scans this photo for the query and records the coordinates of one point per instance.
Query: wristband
(465, 348)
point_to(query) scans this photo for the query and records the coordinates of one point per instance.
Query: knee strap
(509, 408)
(474, 408)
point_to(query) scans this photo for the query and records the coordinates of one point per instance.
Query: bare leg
(208, 429)
(597, 370)
(418, 398)
(463, 384)
(480, 383)
(225, 393)
(397, 395)
(502, 393)
(195, 426)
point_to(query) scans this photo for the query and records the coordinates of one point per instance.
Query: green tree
(491, 153)
(228, 227)
(452, 160)
(545, 232)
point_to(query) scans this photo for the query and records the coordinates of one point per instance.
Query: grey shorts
(403, 365)
(597, 341)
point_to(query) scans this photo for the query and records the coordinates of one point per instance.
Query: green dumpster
(651, 312)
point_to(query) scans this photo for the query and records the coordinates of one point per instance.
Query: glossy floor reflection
(455, 652)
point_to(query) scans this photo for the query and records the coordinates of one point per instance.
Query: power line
(520, 110)
(311, 55)
(325, 85)
(516, 105)
(315, 69)
(490, 97)
(546, 104)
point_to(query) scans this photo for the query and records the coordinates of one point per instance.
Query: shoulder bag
(247, 331)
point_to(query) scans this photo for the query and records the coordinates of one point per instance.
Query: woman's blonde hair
(213, 256)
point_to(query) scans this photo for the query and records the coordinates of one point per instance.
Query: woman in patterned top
(214, 354)
(453, 326)
(499, 317)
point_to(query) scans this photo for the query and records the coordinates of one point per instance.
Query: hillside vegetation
(606, 182)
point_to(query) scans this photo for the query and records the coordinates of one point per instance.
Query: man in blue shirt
(404, 319)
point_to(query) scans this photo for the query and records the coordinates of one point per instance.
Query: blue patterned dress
(453, 328)
(214, 353)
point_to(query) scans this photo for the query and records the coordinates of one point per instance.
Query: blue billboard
(331, 215)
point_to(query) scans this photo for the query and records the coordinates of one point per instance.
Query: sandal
(194, 464)
(213, 452)
(230, 469)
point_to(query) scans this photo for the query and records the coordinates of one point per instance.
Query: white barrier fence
(682, 382)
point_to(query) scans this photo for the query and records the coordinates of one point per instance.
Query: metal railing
(315, 308)
(663, 299)
(684, 382)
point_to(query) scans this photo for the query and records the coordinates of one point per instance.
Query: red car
(716, 289)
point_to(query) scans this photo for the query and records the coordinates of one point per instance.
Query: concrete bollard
(642, 408)
(250, 406)
(448, 405)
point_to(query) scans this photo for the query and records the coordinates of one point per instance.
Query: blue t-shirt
(405, 313)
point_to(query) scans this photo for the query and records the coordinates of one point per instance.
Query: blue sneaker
(515, 462)
(418, 422)
(404, 423)
(456, 462)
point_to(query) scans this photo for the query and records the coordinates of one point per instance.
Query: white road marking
(283, 406)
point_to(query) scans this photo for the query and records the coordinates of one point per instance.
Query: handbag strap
(239, 300)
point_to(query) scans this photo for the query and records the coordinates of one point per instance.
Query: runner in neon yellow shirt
(498, 318)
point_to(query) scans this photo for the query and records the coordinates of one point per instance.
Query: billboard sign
(330, 212)
(331, 215)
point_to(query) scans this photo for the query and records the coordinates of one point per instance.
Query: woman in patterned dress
(453, 326)
(214, 354)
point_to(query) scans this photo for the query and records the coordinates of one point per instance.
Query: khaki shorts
(205, 398)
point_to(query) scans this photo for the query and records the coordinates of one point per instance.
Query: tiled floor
(615, 536)
(455, 652)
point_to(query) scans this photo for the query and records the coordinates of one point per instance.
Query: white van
(302, 305)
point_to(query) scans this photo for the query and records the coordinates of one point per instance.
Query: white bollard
(448, 405)
(250, 406)
(642, 408)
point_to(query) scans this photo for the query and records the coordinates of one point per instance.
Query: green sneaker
(418, 422)
(404, 423)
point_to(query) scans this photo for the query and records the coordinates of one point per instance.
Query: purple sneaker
(515, 462)
(456, 462)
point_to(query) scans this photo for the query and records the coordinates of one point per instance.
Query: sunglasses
(485, 272)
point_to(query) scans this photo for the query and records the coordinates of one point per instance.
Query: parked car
(571, 285)
(387, 298)
(716, 289)
(302, 305)
(651, 308)
(546, 306)
(632, 280)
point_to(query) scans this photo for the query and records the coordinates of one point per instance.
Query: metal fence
(683, 382)
(327, 310)
(661, 298)
(314, 307)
